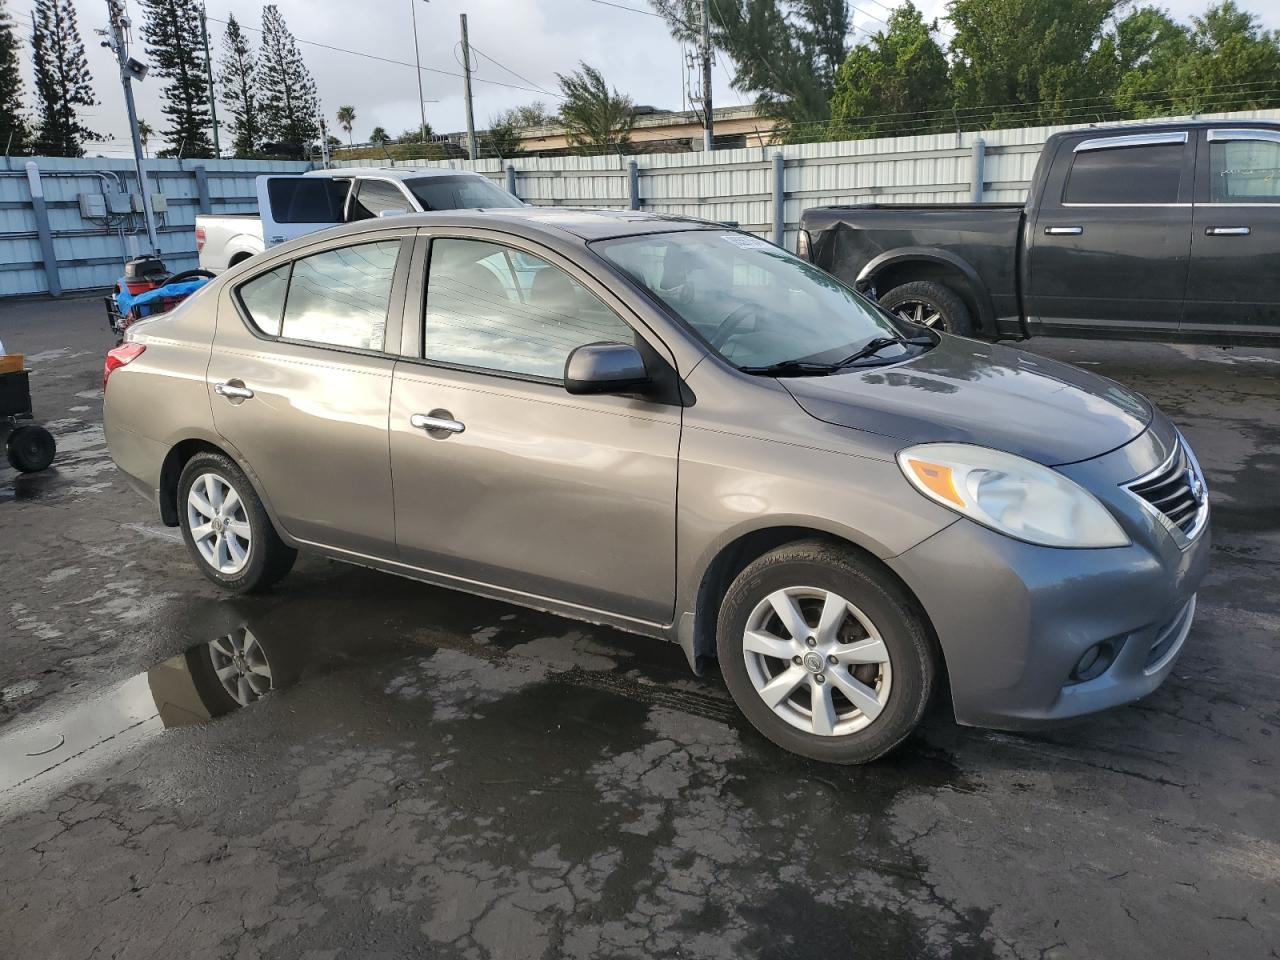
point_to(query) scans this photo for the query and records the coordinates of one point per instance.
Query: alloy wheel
(241, 666)
(817, 661)
(921, 313)
(219, 524)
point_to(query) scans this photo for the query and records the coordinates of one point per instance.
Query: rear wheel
(226, 528)
(30, 449)
(930, 304)
(824, 653)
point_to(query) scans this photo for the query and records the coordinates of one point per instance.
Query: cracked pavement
(446, 776)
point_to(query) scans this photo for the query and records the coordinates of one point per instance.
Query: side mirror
(605, 368)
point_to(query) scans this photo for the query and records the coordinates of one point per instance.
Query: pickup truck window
(1244, 171)
(459, 193)
(307, 199)
(1126, 175)
(372, 197)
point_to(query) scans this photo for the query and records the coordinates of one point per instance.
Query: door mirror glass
(605, 368)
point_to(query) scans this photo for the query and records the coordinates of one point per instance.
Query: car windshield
(459, 193)
(751, 301)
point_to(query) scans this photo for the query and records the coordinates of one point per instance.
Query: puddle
(202, 683)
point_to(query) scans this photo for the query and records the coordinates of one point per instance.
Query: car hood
(971, 392)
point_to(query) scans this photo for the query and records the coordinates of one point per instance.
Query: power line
(623, 6)
(399, 63)
(518, 76)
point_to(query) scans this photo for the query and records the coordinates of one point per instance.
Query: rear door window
(373, 197)
(336, 298)
(1126, 175)
(263, 298)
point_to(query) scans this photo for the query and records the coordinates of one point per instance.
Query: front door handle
(437, 420)
(1063, 231)
(233, 390)
(1226, 231)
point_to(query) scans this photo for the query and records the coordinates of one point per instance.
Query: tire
(237, 669)
(30, 449)
(924, 298)
(877, 622)
(250, 554)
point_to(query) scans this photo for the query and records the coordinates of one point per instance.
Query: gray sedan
(683, 431)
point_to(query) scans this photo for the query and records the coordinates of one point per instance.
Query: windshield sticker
(747, 242)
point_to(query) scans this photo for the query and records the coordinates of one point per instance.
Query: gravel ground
(452, 777)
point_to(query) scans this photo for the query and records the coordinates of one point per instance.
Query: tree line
(269, 93)
(987, 63)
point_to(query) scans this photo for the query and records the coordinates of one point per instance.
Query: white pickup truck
(291, 205)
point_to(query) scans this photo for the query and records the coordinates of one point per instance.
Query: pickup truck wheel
(930, 304)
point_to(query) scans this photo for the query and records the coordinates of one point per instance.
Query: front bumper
(1014, 619)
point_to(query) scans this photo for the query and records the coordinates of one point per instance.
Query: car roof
(390, 173)
(559, 222)
(1155, 126)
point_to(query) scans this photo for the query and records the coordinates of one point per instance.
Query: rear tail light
(804, 246)
(199, 239)
(118, 357)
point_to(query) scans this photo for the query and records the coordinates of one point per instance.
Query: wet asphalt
(438, 775)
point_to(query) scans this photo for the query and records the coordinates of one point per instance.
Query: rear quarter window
(307, 199)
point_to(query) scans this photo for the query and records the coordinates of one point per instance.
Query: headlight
(1012, 495)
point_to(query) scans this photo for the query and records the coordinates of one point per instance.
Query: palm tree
(379, 135)
(144, 134)
(346, 119)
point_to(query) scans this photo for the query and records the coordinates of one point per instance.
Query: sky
(519, 43)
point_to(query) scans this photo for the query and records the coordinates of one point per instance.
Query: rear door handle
(430, 422)
(232, 390)
(1063, 231)
(1227, 231)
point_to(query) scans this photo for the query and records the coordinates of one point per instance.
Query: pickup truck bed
(1143, 231)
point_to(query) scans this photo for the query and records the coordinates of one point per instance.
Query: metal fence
(765, 189)
(48, 245)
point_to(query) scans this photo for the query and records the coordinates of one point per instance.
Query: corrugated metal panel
(90, 253)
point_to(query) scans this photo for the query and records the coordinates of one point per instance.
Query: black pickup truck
(1168, 231)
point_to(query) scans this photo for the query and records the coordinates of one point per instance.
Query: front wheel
(825, 654)
(226, 528)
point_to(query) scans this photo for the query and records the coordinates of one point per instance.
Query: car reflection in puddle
(206, 681)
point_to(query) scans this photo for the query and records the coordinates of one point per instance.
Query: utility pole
(422, 107)
(466, 74)
(117, 42)
(208, 70)
(708, 131)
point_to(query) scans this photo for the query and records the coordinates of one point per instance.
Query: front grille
(1176, 491)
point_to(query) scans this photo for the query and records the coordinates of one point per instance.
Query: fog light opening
(1093, 662)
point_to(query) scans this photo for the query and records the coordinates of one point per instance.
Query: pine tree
(238, 75)
(171, 30)
(13, 126)
(290, 109)
(62, 79)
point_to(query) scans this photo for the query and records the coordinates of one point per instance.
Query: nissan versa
(683, 431)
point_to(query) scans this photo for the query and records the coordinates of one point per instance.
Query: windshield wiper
(792, 368)
(817, 368)
(876, 344)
